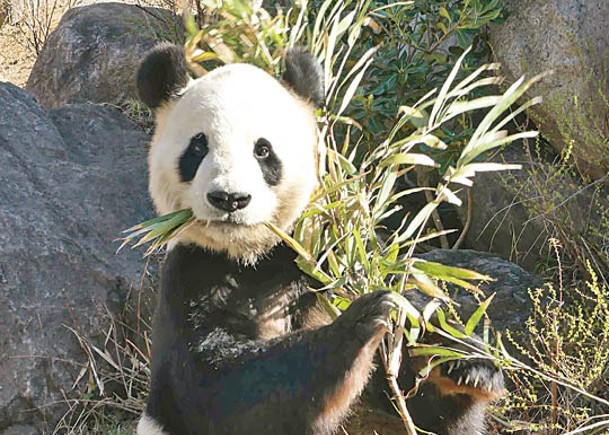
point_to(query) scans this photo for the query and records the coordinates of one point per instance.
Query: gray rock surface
(570, 37)
(515, 213)
(71, 181)
(511, 306)
(92, 55)
(503, 218)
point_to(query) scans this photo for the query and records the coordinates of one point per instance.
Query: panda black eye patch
(270, 165)
(192, 157)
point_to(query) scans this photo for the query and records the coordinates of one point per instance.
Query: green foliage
(567, 344)
(418, 43)
(158, 231)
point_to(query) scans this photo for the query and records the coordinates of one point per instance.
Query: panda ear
(304, 75)
(162, 74)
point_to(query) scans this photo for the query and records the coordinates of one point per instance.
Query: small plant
(418, 44)
(563, 387)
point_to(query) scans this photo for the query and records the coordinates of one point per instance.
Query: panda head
(235, 146)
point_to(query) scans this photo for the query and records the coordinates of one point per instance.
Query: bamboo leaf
(473, 321)
(437, 269)
(406, 305)
(409, 159)
(459, 107)
(445, 87)
(291, 243)
(426, 285)
(485, 144)
(436, 351)
(350, 92)
(448, 328)
(419, 220)
(386, 189)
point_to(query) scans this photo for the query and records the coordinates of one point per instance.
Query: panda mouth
(229, 222)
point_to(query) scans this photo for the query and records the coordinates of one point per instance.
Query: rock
(72, 180)
(503, 220)
(515, 213)
(510, 306)
(571, 38)
(94, 52)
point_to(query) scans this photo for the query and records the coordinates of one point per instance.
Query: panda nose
(229, 201)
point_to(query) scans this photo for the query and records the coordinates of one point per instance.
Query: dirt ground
(16, 59)
(23, 24)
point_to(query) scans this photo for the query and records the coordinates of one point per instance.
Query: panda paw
(368, 316)
(480, 378)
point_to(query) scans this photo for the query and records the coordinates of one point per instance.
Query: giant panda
(237, 344)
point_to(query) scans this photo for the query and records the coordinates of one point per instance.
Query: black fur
(230, 355)
(433, 408)
(304, 75)
(270, 165)
(161, 74)
(192, 157)
(212, 373)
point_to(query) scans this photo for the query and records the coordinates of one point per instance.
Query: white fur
(147, 426)
(234, 106)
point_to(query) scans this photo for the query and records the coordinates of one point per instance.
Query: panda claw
(476, 374)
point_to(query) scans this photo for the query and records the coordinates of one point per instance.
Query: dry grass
(16, 60)
(111, 388)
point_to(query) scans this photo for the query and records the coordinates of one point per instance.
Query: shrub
(563, 387)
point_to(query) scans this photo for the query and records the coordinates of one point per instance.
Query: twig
(468, 218)
(435, 216)
(397, 393)
(392, 361)
(401, 404)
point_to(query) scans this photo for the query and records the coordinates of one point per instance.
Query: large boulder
(569, 37)
(72, 179)
(94, 52)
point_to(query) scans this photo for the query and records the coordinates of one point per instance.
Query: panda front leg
(451, 400)
(459, 391)
(304, 383)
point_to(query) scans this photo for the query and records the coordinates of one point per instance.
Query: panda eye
(262, 149)
(269, 162)
(192, 157)
(198, 144)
